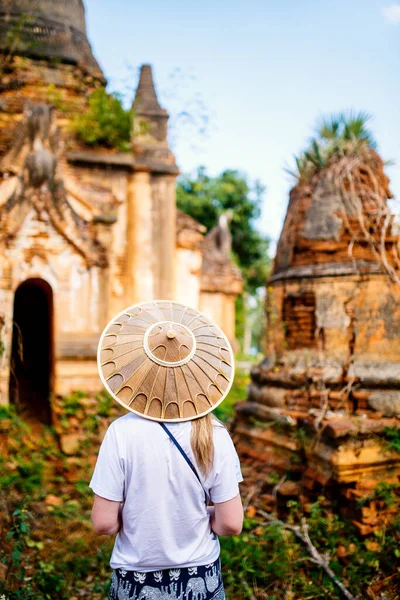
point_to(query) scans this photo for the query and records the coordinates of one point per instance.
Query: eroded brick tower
(331, 378)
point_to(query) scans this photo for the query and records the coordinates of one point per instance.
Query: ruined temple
(329, 387)
(84, 232)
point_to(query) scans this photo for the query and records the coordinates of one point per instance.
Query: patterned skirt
(192, 583)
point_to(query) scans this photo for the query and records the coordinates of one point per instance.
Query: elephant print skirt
(192, 583)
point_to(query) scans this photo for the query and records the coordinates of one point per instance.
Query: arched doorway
(31, 369)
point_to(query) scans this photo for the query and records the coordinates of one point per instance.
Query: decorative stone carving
(219, 240)
(39, 186)
(100, 227)
(219, 272)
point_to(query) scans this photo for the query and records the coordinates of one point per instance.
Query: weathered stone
(95, 230)
(50, 30)
(321, 220)
(376, 373)
(272, 396)
(263, 413)
(333, 333)
(386, 402)
(337, 428)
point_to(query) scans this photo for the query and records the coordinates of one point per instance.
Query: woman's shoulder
(127, 422)
(221, 435)
(132, 422)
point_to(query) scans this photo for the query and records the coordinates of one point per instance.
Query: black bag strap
(185, 456)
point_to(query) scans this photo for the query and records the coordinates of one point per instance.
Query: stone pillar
(151, 151)
(100, 278)
(6, 328)
(164, 236)
(139, 239)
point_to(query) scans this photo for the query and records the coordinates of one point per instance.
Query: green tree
(205, 198)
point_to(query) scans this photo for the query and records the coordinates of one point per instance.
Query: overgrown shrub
(49, 551)
(268, 561)
(344, 134)
(391, 437)
(105, 123)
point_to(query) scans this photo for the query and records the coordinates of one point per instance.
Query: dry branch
(316, 557)
(248, 590)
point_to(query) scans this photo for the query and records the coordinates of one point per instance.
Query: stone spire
(146, 101)
(49, 29)
(150, 128)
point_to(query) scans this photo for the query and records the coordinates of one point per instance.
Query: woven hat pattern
(165, 361)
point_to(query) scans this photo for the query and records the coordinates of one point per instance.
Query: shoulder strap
(185, 456)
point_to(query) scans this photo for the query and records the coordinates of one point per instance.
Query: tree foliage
(205, 198)
(106, 122)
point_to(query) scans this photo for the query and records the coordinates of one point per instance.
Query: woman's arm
(106, 516)
(227, 517)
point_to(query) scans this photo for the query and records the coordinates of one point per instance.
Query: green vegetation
(16, 42)
(238, 393)
(385, 493)
(48, 550)
(56, 97)
(205, 198)
(72, 402)
(391, 438)
(105, 123)
(345, 134)
(268, 561)
(91, 412)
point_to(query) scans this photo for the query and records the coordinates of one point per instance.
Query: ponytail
(202, 442)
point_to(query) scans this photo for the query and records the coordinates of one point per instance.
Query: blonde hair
(202, 442)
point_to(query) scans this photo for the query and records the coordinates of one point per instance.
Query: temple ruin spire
(146, 101)
(150, 126)
(47, 29)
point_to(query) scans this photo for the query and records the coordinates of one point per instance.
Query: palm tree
(347, 127)
(335, 136)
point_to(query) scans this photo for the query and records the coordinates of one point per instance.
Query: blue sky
(265, 70)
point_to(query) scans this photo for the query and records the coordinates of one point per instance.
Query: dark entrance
(31, 370)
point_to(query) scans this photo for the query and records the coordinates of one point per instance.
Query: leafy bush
(50, 551)
(237, 393)
(105, 402)
(268, 561)
(391, 437)
(72, 402)
(106, 122)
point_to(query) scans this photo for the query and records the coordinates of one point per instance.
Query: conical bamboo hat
(165, 361)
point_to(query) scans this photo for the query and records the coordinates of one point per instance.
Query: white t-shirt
(165, 521)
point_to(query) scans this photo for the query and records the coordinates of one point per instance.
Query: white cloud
(392, 13)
